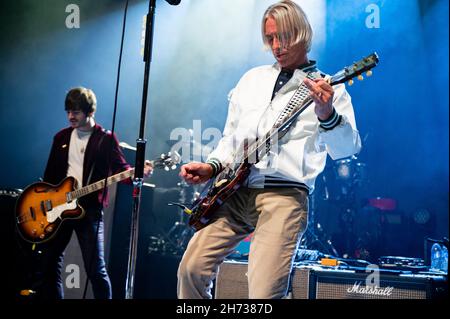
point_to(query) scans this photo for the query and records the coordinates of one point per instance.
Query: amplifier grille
(345, 289)
(300, 283)
(231, 281)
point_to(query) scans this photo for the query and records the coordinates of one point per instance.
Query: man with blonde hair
(273, 200)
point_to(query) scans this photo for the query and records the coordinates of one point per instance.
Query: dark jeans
(49, 282)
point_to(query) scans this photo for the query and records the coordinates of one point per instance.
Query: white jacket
(300, 156)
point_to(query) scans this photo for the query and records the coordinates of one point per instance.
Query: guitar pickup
(44, 212)
(48, 205)
(32, 213)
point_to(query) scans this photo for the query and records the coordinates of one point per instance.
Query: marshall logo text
(370, 290)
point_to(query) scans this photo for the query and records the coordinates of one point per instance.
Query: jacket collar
(306, 67)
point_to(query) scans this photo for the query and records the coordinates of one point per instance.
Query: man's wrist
(332, 121)
(215, 165)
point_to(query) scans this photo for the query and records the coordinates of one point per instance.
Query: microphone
(173, 2)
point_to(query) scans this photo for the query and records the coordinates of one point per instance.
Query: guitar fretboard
(100, 184)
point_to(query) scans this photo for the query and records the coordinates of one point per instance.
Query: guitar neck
(100, 184)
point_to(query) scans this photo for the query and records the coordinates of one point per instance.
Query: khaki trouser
(278, 217)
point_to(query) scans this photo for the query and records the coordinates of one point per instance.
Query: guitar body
(42, 207)
(223, 186)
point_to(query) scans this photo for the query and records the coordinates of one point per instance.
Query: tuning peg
(369, 73)
(163, 156)
(360, 77)
(173, 167)
(166, 168)
(350, 82)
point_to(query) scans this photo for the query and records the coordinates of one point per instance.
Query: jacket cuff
(331, 122)
(216, 166)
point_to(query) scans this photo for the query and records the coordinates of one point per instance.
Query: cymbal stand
(180, 233)
(310, 239)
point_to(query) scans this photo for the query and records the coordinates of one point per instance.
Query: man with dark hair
(89, 153)
(273, 200)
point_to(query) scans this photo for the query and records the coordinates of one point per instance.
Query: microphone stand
(140, 155)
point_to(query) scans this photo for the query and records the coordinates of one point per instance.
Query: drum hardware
(342, 178)
(175, 241)
(340, 187)
(10, 192)
(312, 240)
(180, 232)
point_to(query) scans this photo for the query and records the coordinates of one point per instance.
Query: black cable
(105, 187)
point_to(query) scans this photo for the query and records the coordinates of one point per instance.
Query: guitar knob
(360, 77)
(369, 73)
(350, 82)
(42, 236)
(34, 231)
(49, 229)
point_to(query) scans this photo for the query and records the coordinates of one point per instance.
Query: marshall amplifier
(350, 284)
(318, 282)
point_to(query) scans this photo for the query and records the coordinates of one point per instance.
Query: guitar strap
(289, 114)
(297, 101)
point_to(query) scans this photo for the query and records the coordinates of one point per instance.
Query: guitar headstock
(167, 161)
(356, 70)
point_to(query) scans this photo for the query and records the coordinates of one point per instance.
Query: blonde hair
(292, 24)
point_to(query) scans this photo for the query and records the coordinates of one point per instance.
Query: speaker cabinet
(300, 283)
(232, 281)
(328, 283)
(337, 284)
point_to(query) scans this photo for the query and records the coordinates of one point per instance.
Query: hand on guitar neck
(196, 173)
(322, 94)
(148, 168)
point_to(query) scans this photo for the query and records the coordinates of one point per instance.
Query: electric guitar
(229, 180)
(42, 207)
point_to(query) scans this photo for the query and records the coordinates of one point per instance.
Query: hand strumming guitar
(196, 173)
